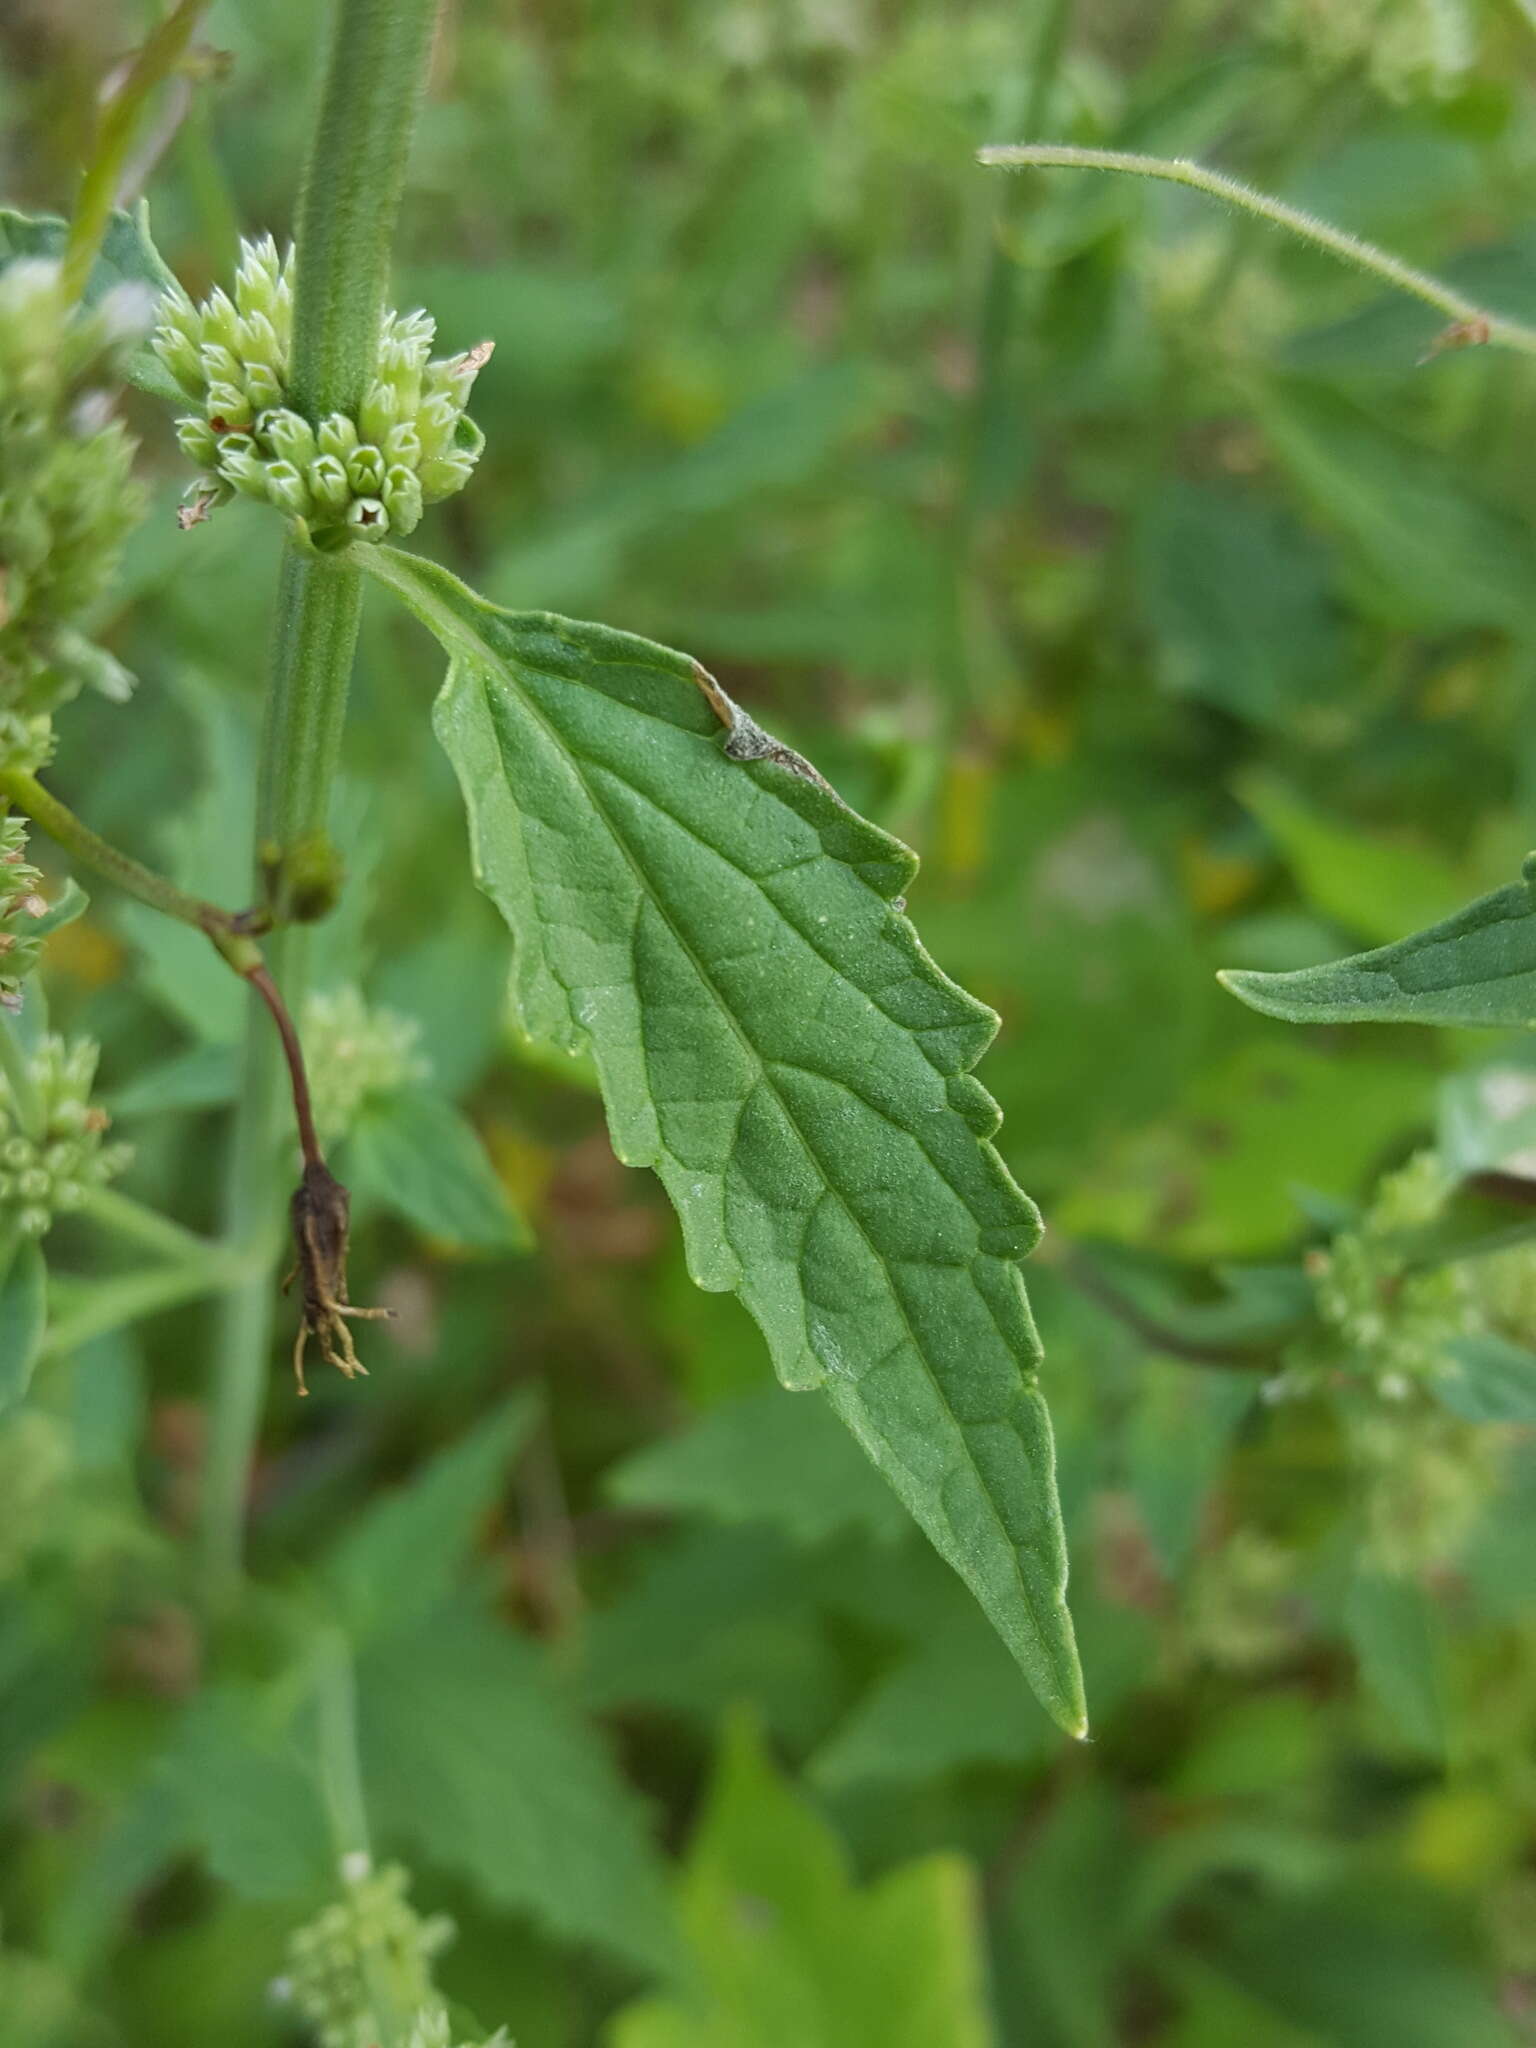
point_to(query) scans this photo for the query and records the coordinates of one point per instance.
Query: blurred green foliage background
(1157, 581)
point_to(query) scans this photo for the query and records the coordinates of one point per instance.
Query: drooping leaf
(763, 1459)
(789, 1950)
(399, 1558)
(128, 256)
(23, 1318)
(417, 1155)
(472, 1756)
(726, 936)
(1477, 967)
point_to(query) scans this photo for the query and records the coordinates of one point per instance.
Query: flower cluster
(371, 1946)
(1423, 1478)
(1408, 49)
(21, 905)
(369, 1943)
(52, 1172)
(1421, 1472)
(1398, 1323)
(67, 500)
(354, 1053)
(410, 444)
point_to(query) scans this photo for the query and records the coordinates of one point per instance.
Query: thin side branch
(231, 931)
(1470, 322)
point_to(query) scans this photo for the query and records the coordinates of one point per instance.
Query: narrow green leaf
(726, 935)
(1477, 967)
(413, 1152)
(23, 1319)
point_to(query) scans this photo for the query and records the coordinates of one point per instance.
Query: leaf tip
(1253, 988)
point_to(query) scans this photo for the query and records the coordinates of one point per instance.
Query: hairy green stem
(351, 195)
(351, 192)
(223, 927)
(341, 1778)
(1481, 324)
(341, 1781)
(161, 53)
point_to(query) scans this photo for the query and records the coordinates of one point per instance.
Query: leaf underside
(1477, 967)
(698, 909)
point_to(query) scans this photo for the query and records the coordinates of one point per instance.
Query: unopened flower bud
(328, 483)
(365, 471)
(287, 489)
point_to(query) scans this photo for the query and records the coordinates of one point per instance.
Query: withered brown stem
(321, 1211)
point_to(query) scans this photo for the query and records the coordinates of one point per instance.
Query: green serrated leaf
(762, 1459)
(128, 256)
(23, 1319)
(470, 1753)
(400, 1558)
(250, 1794)
(788, 1949)
(726, 936)
(417, 1155)
(1477, 967)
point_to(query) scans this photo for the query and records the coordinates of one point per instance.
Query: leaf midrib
(761, 1063)
(472, 655)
